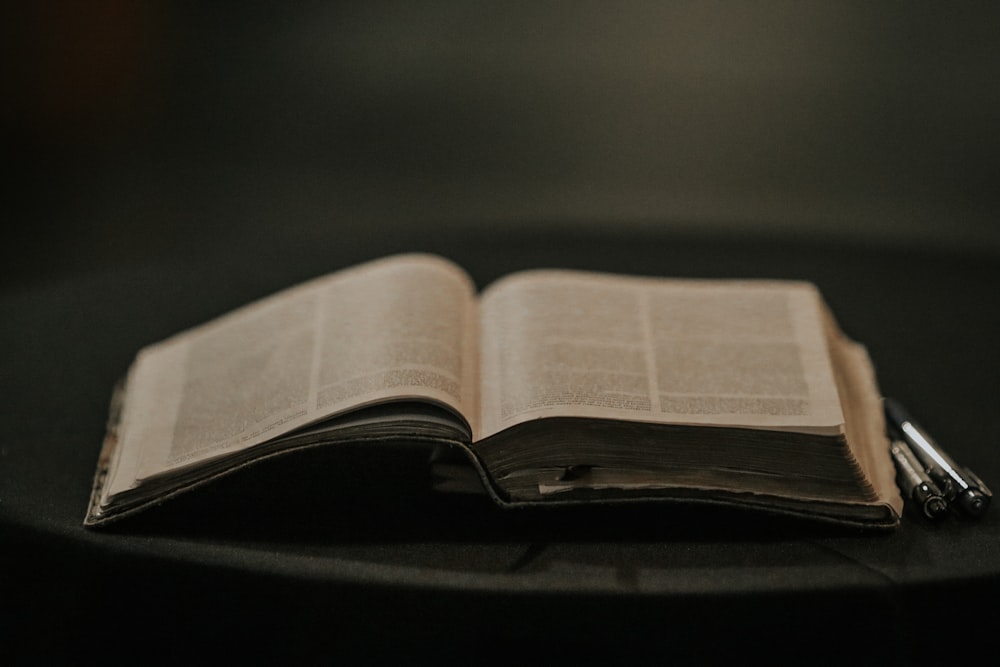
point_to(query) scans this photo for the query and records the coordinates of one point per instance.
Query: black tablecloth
(363, 560)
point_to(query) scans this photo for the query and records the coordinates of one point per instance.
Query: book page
(734, 353)
(861, 399)
(403, 327)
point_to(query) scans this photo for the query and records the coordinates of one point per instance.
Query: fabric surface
(347, 551)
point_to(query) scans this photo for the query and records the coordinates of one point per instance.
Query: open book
(555, 387)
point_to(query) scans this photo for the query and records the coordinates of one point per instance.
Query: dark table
(363, 561)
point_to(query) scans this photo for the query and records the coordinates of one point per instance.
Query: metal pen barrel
(970, 493)
(915, 482)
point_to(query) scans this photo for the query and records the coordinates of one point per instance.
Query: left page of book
(399, 328)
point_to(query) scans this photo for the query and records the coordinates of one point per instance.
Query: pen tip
(935, 507)
(974, 503)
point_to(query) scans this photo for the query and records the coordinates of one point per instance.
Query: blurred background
(137, 130)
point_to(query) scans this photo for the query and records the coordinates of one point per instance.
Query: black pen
(915, 483)
(970, 493)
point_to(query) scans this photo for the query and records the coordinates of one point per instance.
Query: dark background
(171, 161)
(169, 129)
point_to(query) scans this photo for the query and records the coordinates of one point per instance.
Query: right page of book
(741, 353)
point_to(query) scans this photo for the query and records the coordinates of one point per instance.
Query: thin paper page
(403, 327)
(737, 353)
